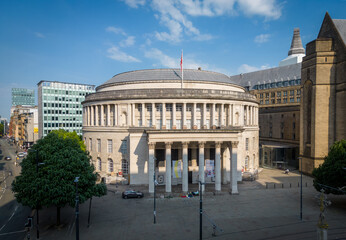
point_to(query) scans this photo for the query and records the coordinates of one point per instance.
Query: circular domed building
(152, 123)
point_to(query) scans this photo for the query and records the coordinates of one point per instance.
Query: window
(110, 165)
(294, 125)
(198, 123)
(169, 124)
(188, 123)
(298, 99)
(90, 143)
(285, 100)
(109, 145)
(124, 167)
(261, 95)
(208, 107)
(140, 123)
(267, 101)
(246, 144)
(267, 95)
(158, 123)
(298, 92)
(149, 108)
(99, 164)
(179, 107)
(159, 107)
(273, 101)
(198, 108)
(246, 163)
(273, 94)
(139, 107)
(291, 99)
(98, 145)
(178, 122)
(261, 102)
(207, 123)
(292, 92)
(285, 93)
(150, 123)
(168, 107)
(123, 147)
(189, 107)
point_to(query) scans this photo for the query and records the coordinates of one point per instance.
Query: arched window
(110, 165)
(99, 164)
(124, 166)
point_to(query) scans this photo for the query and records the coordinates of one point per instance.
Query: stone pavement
(257, 212)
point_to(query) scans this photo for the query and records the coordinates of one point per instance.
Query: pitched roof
(168, 74)
(340, 25)
(270, 75)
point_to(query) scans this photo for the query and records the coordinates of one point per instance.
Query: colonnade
(201, 147)
(202, 115)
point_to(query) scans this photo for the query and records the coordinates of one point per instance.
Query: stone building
(278, 91)
(323, 108)
(204, 128)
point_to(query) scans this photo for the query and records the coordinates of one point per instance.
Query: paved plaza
(260, 211)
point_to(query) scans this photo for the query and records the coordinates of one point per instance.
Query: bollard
(306, 184)
(282, 185)
(266, 185)
(298, 184)
(290, 185)
(274, 186)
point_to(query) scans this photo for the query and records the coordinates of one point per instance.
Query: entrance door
(190, 176)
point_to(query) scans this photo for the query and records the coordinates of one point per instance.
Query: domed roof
(168, 75)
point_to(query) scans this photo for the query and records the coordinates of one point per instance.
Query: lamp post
(77, 209)
(200, 209)
(301, 188)
(154, 197)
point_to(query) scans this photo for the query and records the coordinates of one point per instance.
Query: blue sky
(89, 41)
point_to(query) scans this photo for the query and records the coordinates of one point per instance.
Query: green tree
(62, 161)
(72, 135)
(332, 172)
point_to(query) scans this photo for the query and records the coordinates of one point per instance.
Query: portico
(188, 145)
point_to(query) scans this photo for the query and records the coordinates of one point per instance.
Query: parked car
(132, 194)
(8, 158)
(21, 154)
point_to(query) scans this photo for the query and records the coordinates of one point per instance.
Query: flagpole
(182, 70)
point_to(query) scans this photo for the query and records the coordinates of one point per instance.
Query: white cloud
(116, 30)
(208, 7)
(39, 35)
(129, 41)
(135, 3)
(116, 54)
(262, 38)
(267, 8)
(245, 68)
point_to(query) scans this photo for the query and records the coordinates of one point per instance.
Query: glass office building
(23, 96)
(59, 106)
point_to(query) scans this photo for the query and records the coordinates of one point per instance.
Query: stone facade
(323, 109)
(139, 124)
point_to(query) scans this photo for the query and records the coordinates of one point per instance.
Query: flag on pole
(181, 68)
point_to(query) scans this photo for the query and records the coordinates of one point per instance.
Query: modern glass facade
(23, 96)
(60, 106)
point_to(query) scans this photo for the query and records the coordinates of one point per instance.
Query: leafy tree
(72, 135)
(333, 171)
(62, 161)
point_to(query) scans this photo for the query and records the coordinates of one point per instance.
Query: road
(13, 215)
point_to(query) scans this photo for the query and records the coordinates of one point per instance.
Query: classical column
(174, 117)
(234, 170)
(96, 115)
(222, 109)
(168, 167)
(133, 115)
(201, 163)
(213, 124)
(184, 116)
(194, 126)
(163, 115)
(151, 166)
(102, 115)
(241, 116)
(230, 115)
(108, 115)
(92, 116)
(204, 115)
(118, 115)
(143, 115)
(185, 167)
(217, 166)
(128, 114)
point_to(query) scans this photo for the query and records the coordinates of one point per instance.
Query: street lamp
(77, 209)
(301, 187)
(200, 209)
(155, 183)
